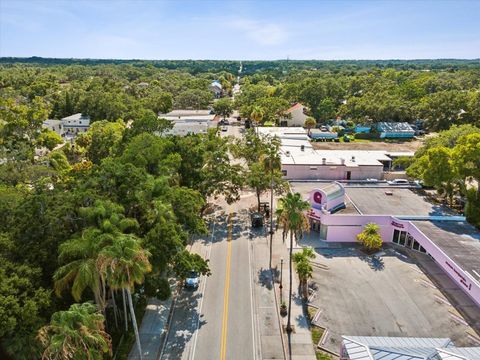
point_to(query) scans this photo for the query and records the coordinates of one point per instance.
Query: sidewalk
(299, 342)
(152, 330)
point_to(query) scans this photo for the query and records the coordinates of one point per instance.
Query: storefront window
(416, 245)
(396, 235)
(323, 231)
(403, 236)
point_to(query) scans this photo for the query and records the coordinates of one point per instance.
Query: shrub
(370, 237)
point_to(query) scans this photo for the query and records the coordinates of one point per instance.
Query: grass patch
(316, 334)
(322, 356)
(311, 312)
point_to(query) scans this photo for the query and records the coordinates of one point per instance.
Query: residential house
(54, 125)
(216, 88)
(75, 124)
(296, 116)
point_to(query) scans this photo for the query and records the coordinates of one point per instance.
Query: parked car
(224, 128)
(257, 219)
(192, 280)
(226, 122)
(398, 182)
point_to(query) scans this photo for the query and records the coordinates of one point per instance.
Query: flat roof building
(189, 121)
(300, 161)
(405, 219)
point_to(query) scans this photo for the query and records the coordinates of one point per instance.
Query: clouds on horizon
(240, 30)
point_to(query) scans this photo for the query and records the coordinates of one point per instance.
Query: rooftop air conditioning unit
(287, 153)
(353, 158)
(302, 147)
(324, 161)
(342, 161)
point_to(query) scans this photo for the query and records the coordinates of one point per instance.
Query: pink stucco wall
(344, 228)
(330, 172)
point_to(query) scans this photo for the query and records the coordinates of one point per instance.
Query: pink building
(339, 214)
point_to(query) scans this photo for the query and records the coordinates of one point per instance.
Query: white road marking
(203, 295)
(252, 299)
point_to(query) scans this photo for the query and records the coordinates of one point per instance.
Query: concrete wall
(332, 172)
(344, 228)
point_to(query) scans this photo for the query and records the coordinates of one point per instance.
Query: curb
(167, 327)
(279, 317)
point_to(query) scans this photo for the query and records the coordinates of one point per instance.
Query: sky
(241, 29)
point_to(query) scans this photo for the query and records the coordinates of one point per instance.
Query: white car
(399, 182)
(224, 128)
(192, 280)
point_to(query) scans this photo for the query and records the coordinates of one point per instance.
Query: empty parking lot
(390, 296)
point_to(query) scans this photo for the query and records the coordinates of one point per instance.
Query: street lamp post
(281, 280)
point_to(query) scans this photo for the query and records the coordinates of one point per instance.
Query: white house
(54, 125)
(75, 124)
(297, 116)
(216, 88)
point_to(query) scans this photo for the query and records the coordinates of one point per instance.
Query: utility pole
(271, 210)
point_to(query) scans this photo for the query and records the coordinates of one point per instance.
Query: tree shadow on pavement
(375, 263)
(265, 278)
(183, 328)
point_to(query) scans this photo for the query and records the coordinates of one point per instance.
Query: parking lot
(386, 296)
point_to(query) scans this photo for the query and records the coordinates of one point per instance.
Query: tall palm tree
(124, 264)
(77, 333)
(80, 271)
(295, 221)
(271, 163)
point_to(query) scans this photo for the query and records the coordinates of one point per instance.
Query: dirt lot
(396, 146)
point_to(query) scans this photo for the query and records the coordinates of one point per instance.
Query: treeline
(450, 162)
(441, 98)
(104, 220)
(255, 66)
(109, 92)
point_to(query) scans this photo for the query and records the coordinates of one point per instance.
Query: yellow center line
(223, 348)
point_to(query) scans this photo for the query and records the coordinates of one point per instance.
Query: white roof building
(300, 161)
(189, 121)
(404, 348)
(54, 125)
(76, 123)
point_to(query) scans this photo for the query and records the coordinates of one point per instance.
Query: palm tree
(257, 114)
(77, 333)
(81, 271)
(124, 264)
(295, 221)
(304, 269)
(370, 237)
(271, 163)
(310, 122)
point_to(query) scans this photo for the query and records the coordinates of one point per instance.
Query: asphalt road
(217, 321)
